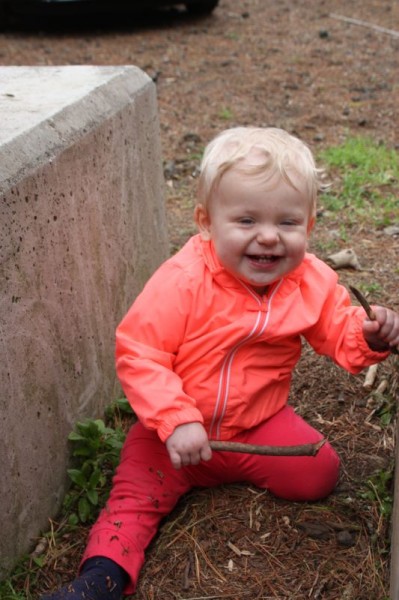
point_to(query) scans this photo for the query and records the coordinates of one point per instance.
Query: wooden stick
(302, 450)
(362, 300)
(365, 24)
(369, 312)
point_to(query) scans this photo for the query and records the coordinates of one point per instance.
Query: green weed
(16, 587)
(368, 181)
(226, 114)
(385, 408)
(7, 592)
(95, 451)
(372, 289)
(378, 488)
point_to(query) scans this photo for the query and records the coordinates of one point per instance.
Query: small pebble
(345, 538)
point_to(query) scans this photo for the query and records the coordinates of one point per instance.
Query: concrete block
(82, 227)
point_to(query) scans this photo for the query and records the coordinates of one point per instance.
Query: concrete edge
(106, 100)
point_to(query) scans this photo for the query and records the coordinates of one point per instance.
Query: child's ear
(202, 219)
(311, 224)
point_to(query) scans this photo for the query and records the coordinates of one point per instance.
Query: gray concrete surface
(82, 226)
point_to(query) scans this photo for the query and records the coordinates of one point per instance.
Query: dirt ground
(293, 64)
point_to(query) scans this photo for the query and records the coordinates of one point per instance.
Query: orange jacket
(200, 345)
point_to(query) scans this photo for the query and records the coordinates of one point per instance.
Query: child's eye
(290, 222)
(246, 221)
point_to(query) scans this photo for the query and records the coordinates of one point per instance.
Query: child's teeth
(264, 258)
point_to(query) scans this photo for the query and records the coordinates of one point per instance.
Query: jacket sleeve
(147, 342)
(338, 330)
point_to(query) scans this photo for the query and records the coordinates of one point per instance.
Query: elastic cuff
(167, 427)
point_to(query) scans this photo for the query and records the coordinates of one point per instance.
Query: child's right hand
(188, 445)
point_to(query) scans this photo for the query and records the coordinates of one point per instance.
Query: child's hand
(383, 333)
(188, 445)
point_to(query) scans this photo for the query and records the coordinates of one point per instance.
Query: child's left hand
(383, 333)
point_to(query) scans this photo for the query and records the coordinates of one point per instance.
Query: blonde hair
(282, 153)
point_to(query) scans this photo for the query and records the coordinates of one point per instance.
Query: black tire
(3, 15)
(204, 7)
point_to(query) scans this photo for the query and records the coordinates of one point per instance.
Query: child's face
(259, 229)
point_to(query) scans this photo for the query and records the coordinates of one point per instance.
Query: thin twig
(359, 296)
(369, 311)
(301, 450)
(205, 557)
(391, 32)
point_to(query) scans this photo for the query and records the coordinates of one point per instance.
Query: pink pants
(146, 487)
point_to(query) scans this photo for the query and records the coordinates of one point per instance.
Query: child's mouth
(262, 259)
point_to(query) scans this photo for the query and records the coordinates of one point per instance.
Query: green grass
(7, 592)
(365, 182)
(378, 488)
(226, 114)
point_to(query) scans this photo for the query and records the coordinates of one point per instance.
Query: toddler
(207, 351)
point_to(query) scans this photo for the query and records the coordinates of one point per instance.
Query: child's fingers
(371, 327)
(183, 459)
(388, 330)
(206, 453)
(175, 459)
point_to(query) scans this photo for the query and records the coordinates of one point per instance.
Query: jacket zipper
(257, 330)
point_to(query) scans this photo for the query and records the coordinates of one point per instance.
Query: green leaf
(87, 467)
(82, 451)
(93, 497)
(39, 561)
(77, 477)
(89, 429)
(73, 519)
(94, 479)
(84, 510)
(84, 426)
(124, 405)
(100, 425)
(75, 437)
(386, 419)
(114, 443)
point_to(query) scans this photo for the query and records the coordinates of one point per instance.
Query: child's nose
(267, 235)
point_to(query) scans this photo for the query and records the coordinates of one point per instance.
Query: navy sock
(100, 579)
